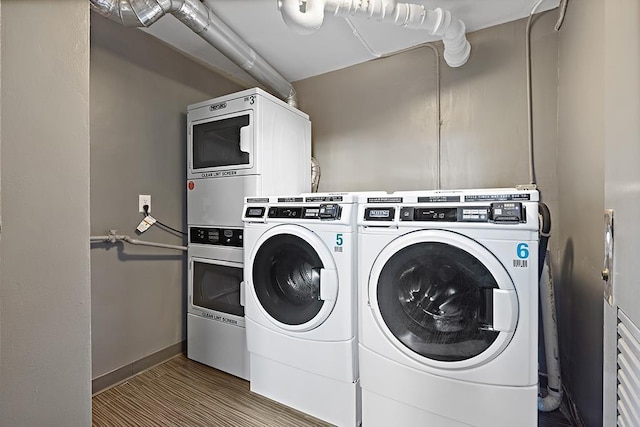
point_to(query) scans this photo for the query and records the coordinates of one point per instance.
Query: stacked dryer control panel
(240, 145)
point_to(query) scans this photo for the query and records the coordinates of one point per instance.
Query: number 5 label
(339, 239)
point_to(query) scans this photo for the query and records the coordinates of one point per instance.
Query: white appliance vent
(628, 372)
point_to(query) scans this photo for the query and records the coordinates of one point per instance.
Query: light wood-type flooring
(181, 392)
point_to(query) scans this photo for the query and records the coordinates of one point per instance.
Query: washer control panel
(325, 211)
(498, 212)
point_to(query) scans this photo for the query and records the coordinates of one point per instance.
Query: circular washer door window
(290, 269)
(434, 294)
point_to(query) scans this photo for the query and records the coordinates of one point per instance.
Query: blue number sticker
(522, 250)
(339, 239)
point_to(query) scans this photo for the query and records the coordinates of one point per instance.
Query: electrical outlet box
(144, 200)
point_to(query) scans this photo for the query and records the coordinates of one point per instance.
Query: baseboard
(120, 375)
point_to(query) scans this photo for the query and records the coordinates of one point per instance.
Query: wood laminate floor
(181, 392)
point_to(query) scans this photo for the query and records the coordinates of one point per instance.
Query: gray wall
(381, 116)
(374, 124)
(581, 131)
(140, 89)
(378, 115)
(45, 360)
(374, 128)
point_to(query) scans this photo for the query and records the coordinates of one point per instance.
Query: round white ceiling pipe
(306, 22)
(201, 20)
(307, 16)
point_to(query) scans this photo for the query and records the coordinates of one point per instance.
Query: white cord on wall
(532, 173)
(561, 15)
(438, 120)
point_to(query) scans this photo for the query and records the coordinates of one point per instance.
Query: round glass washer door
(443, 299)
(294, 278)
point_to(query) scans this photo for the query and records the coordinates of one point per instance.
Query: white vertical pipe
(553, 399)
(437, 22)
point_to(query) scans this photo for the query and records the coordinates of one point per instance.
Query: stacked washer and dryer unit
(448, 308)
(244, 144)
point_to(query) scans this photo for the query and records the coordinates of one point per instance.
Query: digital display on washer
(429, 214)
(445, 214)
(285, 212)
(379, 214)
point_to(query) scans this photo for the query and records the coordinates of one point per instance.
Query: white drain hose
(315, 175)
(552, 401)
(307, 16)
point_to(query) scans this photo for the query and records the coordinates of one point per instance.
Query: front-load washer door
(215, 288)
(294, 278)
(443, 299)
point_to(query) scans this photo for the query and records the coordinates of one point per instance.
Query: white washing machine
(300, 303)
(448, 298)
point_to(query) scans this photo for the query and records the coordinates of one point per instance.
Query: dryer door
(294, 277)
(443, 299)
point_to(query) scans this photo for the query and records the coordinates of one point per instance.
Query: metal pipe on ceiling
(202, 21)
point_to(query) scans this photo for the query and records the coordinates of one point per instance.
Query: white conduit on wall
(307, 17)
(202, 21)
(113, 237)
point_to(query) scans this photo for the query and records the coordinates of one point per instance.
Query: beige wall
(45, 359)
(379, 116)
(581, 193)
(374, 128)
(622, 184)
(139, 93)
(374, 124)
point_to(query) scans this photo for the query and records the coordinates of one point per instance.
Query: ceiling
(339, 43)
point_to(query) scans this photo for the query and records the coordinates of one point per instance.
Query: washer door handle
(505, 310)
(245, 139)
(242, 295)
(328, 284)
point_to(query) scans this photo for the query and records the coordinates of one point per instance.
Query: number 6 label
(522, 250)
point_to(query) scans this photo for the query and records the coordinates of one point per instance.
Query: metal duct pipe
(308, 17)
(202, 21)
